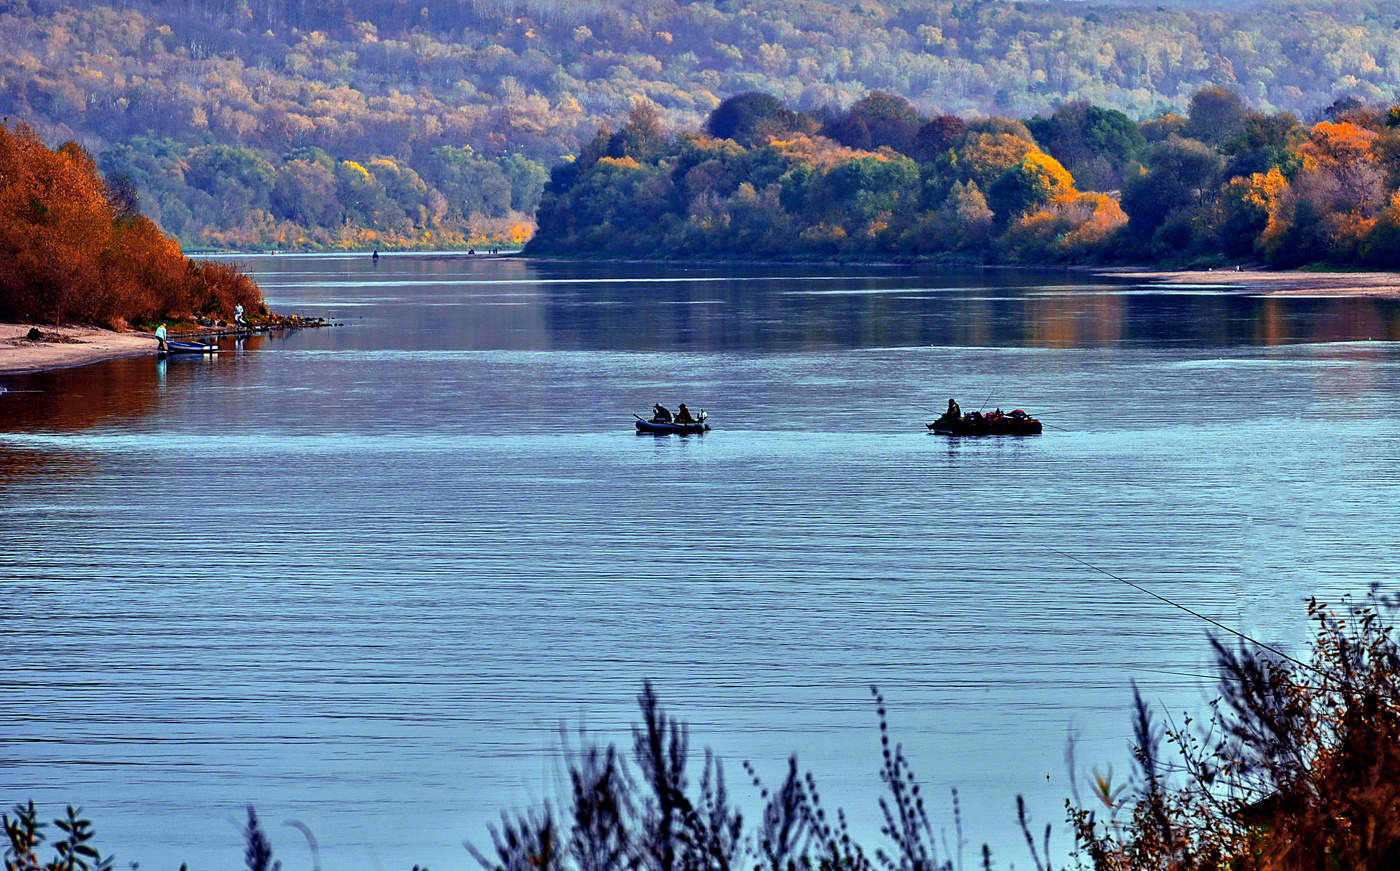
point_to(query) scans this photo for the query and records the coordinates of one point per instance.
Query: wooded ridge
(363, 123)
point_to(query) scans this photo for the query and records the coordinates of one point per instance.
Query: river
(362, 577)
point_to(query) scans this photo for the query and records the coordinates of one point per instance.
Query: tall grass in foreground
(647, 815)
(1296, 766)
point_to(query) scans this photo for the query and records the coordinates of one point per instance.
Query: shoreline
(67, 345)
(1286, 282)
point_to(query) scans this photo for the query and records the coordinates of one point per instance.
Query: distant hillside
(299, 89)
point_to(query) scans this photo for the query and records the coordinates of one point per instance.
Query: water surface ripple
(362, 576)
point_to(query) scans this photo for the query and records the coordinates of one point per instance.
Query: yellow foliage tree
(1067, 227)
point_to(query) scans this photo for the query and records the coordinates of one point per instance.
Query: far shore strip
(1290, 282)
(87, 344)
(80, 345)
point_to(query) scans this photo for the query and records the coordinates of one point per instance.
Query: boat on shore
(653, 426)
(176, 347)
(978, 424)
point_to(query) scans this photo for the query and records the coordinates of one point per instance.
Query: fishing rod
(995, 388)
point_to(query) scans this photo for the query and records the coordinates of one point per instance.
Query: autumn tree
(67, 254)
(879, 120)
(1029, 184)
(936, 137)
(1251, 207)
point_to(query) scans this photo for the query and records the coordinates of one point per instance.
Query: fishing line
(1197, 614)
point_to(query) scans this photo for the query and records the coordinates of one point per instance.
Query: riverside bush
(1297, 765)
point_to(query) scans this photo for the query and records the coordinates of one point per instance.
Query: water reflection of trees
(68, 401)
(1285, 320)
(776, 313)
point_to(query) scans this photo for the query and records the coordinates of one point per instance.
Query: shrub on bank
(74, 248)
(1296, 767)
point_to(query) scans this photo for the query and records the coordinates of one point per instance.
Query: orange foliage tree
(68, 254)
(1070, 226)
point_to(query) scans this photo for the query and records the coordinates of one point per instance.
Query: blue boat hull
(188, 348)
(647, 426)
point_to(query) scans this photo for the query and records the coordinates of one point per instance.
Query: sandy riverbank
(1283, 282)
(64, 346)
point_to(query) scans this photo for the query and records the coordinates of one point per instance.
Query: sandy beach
(1283, 282)
(66, 345)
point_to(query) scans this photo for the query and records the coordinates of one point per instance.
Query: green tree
(471, 184)
(753, 117)
(305, 192)
(229, 171)
(1096, 145)
(1265, 142)
(1181, 175)
(1215, 115)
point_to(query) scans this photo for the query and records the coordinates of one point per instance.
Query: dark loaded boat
(672, 427)
(995, 423)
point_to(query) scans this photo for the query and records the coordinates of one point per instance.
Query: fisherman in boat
(661, 414)
(954, 413)
(683, 415)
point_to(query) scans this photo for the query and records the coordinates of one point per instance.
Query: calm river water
(362, 576)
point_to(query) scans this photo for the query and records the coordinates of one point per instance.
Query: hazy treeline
(73, 247)
(236, 196)
(524, 83)
(1220, 183)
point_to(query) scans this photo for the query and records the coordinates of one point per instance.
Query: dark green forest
(1082, 184)
(358, 123)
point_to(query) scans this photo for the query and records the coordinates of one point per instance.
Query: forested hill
(1221, 184)
(343, 122)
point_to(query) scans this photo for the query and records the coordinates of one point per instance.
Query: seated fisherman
(953, 412)
(660, 414)
(683, 415)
